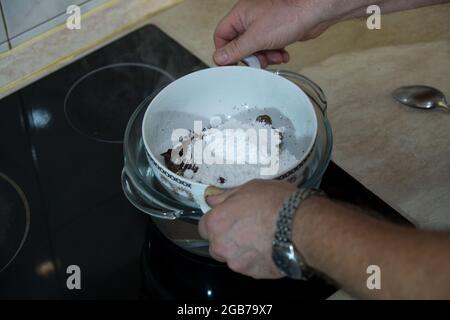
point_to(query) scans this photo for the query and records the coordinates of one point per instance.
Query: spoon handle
(443, 105)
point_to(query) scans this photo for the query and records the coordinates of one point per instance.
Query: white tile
(4, 47)
(55, 21)
(23, 15)
(3, 36)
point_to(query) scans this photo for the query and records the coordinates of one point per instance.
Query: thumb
(237, 49)
(215, 196)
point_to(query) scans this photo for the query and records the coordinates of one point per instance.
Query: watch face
(286, 259)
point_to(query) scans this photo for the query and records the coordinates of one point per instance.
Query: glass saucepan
(178, 222)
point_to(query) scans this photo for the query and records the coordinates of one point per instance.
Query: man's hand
(241, 226)
(335, 238)
(266, 27)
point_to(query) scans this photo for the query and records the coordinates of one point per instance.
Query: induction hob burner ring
(12, 199)
(99, 104)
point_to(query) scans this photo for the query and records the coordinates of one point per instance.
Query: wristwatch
(284, 254)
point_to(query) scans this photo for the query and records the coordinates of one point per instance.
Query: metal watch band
(283, 233)
(286, 215)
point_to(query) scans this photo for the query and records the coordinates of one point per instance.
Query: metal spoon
(422, 97)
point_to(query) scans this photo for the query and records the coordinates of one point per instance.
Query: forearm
(350, 9)
(340, 241)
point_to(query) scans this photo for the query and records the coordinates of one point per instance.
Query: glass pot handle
(147, 206)
(152, 206)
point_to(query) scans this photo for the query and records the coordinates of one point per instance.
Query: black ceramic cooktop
(61, 202)
(60, 144)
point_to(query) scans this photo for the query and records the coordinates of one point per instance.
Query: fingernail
(221, 57)
(211, 195)
(213, 191)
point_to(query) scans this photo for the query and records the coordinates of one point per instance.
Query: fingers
(221, 247)
(234, 42)
(203, 228)
(286, 56)
(245, 43)
(214, 197)
(209, 229)
(228, 29)
(211, 224)
(218, 219)
(216, 253)
(273, 57)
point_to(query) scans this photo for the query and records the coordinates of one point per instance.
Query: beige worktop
(400, 154)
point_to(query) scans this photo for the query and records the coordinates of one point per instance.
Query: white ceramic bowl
(225, 91)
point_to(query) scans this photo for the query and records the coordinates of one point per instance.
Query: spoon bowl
(422, 97)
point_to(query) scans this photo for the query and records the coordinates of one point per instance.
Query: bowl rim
(295, 167)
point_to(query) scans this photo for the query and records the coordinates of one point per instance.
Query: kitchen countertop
(400, 154)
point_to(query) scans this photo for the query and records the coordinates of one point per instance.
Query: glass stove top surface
(61, 143)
